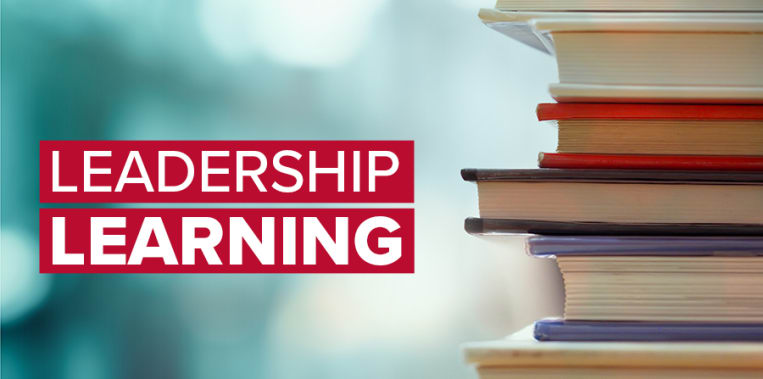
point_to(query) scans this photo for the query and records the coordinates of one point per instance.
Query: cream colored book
(519, 356)
(663, 288)
(709, 57)
(669, 137)
(629, 5)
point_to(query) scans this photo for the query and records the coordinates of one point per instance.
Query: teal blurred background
(290, 69)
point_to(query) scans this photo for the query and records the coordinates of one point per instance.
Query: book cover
(548, 246)
(520, 349)
(612, 176)
(487, 226)
(561, 330)
(568, 111)
(649, 162)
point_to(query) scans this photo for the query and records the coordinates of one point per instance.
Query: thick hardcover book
(671, 131)
(663, 286)
(620, 196)
(612, 176)
(649, 162)
(487, 226)
(560, 330)
(550, 246)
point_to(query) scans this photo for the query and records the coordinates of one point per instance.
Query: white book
(629, 5)
(663, 288)
(643, 56)
(519, 356)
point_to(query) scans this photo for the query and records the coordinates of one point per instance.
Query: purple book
(560, 330)
(549, 246)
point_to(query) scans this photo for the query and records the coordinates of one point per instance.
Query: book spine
(590, 111)
(648, 162)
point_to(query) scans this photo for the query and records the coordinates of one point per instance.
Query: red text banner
(226, 171)
(118, 240)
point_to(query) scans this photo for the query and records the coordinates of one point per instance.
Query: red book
(673, 130)
(568, 111)
(650, 162)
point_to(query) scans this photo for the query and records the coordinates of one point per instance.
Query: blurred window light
(230, 26)
(23, 287)
(293, 32)
(473, 5)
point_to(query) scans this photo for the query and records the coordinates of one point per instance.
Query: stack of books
(652, 204)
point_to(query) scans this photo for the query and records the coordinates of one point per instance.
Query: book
(663, 129)
(520, 356)
(650, 162)
(621, 5)
(662, 288)
(652, 205)
(561, 330)
(620, 196)
(657, 57)
(552, 246)
(488, 226)
(614, 112)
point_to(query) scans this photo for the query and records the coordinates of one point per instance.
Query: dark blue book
(561, 330)
(644, 246)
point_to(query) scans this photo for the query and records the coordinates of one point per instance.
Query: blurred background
(287, 69)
